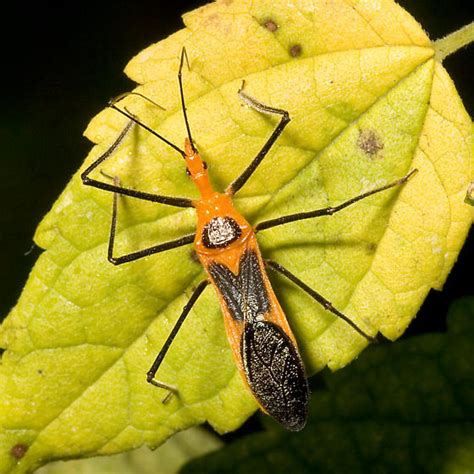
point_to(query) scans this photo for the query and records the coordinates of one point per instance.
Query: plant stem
(454, 41)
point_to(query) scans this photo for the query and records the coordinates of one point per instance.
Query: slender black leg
(187, 239)
(169, 200)
(328, 211)
(265, 109)
(150, 376)
(320, 299)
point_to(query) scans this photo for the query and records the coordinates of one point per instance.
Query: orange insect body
(214, 205)
(262, 343)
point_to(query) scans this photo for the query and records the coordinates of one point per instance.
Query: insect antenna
(143, 96)
(127, 113)
(184, 56)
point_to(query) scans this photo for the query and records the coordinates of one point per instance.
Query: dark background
(60, 65)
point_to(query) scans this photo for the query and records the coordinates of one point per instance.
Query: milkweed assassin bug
(263, 345)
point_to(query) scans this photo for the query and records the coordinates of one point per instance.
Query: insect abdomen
(275, 373)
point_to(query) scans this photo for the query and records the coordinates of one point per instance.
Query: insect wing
(275, 373)
(261, 339)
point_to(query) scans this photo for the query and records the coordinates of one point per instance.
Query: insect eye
(204, 165)
(188, 172)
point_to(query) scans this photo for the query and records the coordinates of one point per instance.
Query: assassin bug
(263, 345)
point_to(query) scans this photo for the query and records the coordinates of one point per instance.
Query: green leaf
(167, 459)
(368, 103)
(405, 408)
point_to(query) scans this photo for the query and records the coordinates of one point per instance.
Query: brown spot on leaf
(370, 142)
(295, 50)
(212, 18)
(19, 450)
(371, 248)
(270, 25)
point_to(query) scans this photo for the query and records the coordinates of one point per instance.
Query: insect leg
(150, 376)
(265, 109)
(316, 296)
(187, 239)
(169, 200)
(328, 211)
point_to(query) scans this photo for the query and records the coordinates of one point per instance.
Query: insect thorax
(219, 232)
